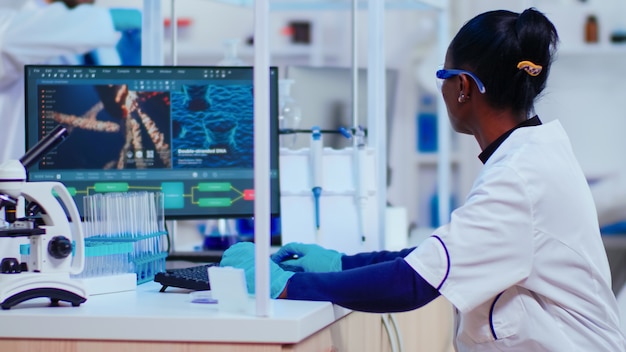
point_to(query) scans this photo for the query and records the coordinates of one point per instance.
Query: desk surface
(147, 314)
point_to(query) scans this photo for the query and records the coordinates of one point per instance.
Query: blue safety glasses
(444, 74)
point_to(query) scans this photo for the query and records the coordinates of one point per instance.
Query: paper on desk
(228, 287)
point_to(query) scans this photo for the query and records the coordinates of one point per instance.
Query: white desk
(149, 315)
(147, 320)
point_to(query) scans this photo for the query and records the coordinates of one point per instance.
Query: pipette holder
(339, 201)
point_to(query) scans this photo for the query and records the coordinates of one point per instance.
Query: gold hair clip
(530, 68)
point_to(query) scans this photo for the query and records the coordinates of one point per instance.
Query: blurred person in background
(68, 32)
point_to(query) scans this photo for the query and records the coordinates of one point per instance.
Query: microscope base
(17, 288)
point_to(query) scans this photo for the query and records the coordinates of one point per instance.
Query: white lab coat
(52, 34)
(522, 260)
(33, 33)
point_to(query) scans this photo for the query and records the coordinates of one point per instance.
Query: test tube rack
(133, 221)
(143, 255)
(117, 256)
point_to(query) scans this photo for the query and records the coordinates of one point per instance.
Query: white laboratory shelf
(593, 49)
(333, 5)
(424, 158)
(292, 52)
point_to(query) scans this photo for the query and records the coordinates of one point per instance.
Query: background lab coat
(34, 34)
(50, 34)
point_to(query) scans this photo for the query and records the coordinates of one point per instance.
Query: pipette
(359, 172)
(316, 173)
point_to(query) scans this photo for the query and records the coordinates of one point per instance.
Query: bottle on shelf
(591, 29)
(427, 124)
(434, 209)
(289, 113)
(231, 57)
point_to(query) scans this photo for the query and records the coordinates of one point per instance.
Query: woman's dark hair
(493, 43)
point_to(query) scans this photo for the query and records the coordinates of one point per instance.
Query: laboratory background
(583, 92)
(313, 47)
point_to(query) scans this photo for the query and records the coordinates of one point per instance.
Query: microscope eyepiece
(51, 140)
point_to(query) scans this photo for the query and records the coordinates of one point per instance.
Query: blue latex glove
(125, 19)
(308, 257)
(241, 255)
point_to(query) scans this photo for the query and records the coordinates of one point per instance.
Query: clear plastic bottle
(289, 113)
(231, 57)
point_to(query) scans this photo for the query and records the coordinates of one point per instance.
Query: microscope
(56, 243)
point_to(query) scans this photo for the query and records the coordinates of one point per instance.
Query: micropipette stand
(342, 223)
(52, 237)
(316, 174)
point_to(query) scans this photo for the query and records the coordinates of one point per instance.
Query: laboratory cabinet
(429, 328)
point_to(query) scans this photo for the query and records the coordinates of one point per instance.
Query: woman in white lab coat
(522, 260)
(35, 32)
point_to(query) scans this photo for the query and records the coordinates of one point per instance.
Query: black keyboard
(193, 278)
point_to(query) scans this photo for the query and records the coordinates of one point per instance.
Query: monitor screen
(184, 131)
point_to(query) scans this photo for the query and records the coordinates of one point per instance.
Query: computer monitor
(184, 131)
